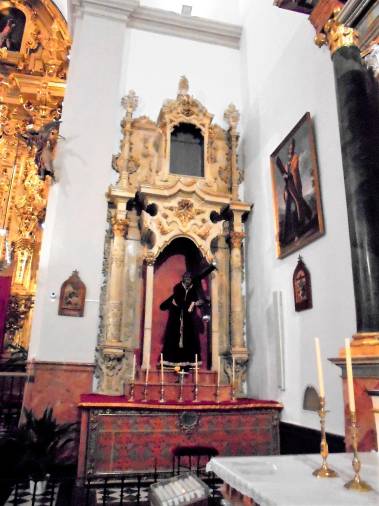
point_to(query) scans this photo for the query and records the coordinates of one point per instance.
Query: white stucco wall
(76, 214)
(285, 75)
(156, 62)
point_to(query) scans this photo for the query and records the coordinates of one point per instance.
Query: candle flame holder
(356, 483)
(324, 471)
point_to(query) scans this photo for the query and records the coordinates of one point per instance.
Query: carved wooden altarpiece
(149, 209)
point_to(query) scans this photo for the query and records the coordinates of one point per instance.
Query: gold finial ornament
(337, 35)
(130, 103)
(232, 116)
(183, 86)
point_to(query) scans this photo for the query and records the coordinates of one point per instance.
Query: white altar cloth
(288, 481)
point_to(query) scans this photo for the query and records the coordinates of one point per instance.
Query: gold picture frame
(296, 190)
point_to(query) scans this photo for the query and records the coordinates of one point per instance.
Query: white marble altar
(288, 480)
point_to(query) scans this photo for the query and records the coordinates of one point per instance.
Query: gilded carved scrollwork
(32, 84)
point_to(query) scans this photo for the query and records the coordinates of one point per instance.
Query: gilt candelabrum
(356, 483)
(324, 471)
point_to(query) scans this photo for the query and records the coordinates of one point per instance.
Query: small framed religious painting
(302, 288)
(296, 190)
(72, 296)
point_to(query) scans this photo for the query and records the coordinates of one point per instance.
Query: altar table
(288, 480)
(119, 436)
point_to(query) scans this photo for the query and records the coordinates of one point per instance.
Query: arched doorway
(179, 256)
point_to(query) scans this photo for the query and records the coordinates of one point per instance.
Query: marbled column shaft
(115, 294)
(148, 312)
(358, 111)
(236, 301)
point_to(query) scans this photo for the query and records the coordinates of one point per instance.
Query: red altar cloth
(118, 436)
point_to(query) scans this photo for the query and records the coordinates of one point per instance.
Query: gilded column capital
(337, 35)
(236, 239)
(150, 259)
(119, 226)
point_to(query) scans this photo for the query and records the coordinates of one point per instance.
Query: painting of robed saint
(296, 190)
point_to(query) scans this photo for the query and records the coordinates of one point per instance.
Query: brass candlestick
(356, 483)
(181, 373)
(217, 393)
(131, 392)
(144, 393)
(196, 393)
(162, 393)
(324, 471)
(233, 391)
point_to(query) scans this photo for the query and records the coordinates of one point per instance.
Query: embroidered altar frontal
(119, 436)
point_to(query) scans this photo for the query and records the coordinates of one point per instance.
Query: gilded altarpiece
(152, 209)
(34, 50)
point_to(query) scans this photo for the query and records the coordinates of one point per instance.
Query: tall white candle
(219, 371)
(320, 373)
(234, 371)
(162, 373)
(196, 370)
(349, 375)
(134, 368)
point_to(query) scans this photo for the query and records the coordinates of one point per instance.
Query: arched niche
(187, 150)
(179, 256)
(12, 27)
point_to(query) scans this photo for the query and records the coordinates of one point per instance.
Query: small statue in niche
(181, 341)
(44, 140)
(12, 25)
(302, 289)
(5, 33)
(72, 296)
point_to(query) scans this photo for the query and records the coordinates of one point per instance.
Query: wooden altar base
(119, 436)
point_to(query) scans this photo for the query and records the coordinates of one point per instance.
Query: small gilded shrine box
(72, 296)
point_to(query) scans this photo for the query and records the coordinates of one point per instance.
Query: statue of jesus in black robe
(181, 341)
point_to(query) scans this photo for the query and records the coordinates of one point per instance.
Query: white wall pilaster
(76, 214)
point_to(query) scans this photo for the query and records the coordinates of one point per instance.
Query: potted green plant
(45, 445)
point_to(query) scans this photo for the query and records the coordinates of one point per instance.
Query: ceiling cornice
(160, 21)
(187, 27)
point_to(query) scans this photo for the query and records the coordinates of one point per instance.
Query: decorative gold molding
(365, 339)
(337, 35)
(236, 239)
(119, 227)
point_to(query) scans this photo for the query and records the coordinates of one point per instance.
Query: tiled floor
(24, 496)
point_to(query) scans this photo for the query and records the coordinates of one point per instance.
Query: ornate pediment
(146, 147)
(184, 109)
